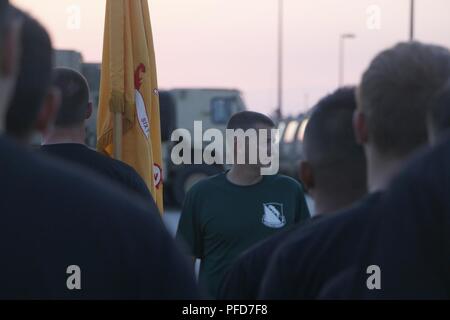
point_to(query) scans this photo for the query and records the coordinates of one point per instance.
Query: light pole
(280, 59)
(342, 39)
(411, 21)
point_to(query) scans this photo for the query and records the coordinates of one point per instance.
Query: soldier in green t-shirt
(226, 214)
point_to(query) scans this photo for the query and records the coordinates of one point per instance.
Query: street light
(280, 59)
(342, 39)
(411, 22)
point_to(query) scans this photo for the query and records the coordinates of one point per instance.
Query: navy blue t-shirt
(115, 170)
(243, 280)
(411, 241)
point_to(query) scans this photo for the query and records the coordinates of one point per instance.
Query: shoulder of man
(120, 165)
(207, 184)
(288, 182)
(422, 166)
(331, 225)
(128, 170)
(94, 160)
(129, 176)
(85, 188)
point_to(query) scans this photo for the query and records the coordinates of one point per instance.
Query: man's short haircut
(330, 145)
(74, 97)
(248, 120)
(395, 91)
(439, 115)
(34, 79)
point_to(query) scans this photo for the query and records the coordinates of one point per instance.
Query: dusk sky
(233, 43)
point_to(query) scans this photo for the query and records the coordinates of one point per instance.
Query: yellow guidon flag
(128, 122)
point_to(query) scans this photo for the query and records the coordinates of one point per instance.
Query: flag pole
(118, 136)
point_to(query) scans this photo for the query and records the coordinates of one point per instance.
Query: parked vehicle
(179, 109)
(291, 132)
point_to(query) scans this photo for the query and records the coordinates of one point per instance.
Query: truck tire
(187, 176)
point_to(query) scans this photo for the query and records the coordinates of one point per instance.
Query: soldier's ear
(307, 175)
(360, 127)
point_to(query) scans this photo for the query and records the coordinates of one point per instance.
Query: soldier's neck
(65, 135)
(381, 169)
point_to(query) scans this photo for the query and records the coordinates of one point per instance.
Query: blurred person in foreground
(334, 173)
(226, 214)
(393, 99)
(66, 138)
(104, 245)
(415, 212)
(34, 102)
(409, 245)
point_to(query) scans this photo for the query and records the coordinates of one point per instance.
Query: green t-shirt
(220, 220)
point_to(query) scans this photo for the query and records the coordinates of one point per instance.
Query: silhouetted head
(75, 106)
(394, 96)
(334, 166)
(34, 103)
